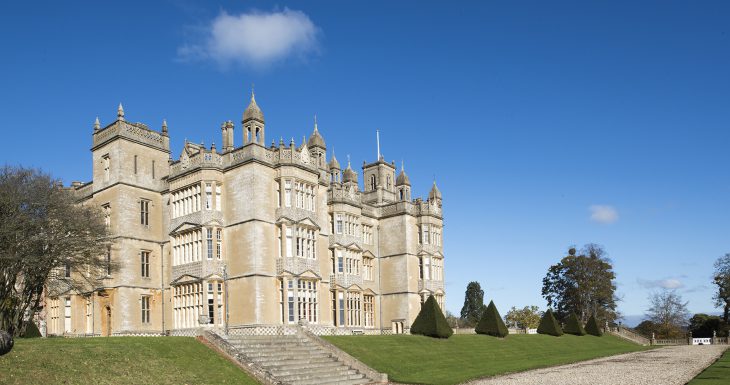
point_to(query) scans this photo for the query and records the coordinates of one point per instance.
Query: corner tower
(379, 179)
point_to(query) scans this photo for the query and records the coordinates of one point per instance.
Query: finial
(315, 122)
(253, 96)
(348, 161)
(97, 125)
(212, 146)
(291, 143)
(120, 112)
(402, 166)
(304, 140)
(281, 141)
(164, 126)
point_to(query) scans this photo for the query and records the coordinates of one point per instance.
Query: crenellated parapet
(136, 132)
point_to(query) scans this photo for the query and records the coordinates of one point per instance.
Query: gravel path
(663, 366)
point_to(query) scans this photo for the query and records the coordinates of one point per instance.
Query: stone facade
(251, 235)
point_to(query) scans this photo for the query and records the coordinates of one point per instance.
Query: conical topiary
(573, 326)
(592, 327)
(31, 330)
(549, 325)
(431, 321)
(491, 323)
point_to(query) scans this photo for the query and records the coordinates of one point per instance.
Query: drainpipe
(162, 283)
(380, 292)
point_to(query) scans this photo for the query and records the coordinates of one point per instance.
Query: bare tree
(721, 279)
(48, 243)
(668, 313)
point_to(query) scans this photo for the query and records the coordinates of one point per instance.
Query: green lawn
(716, 374)
(116, 361)
(423, 360)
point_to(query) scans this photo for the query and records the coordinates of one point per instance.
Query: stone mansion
(250, 235)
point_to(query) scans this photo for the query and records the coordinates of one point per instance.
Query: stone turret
(253, 123)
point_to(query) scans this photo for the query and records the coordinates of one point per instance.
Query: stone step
(268, 361)
(358, 379)
(284, 371)
(319, 377)
(290, 366)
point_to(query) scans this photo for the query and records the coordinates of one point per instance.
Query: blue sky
(529, 114)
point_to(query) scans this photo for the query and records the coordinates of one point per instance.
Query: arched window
(400, 194)
(372, 182)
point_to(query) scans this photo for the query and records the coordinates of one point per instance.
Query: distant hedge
(592, 327)
(491, 323)
(549, 325)
(573, 326)
(431, 321)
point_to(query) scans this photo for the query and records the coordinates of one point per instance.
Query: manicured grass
(716, 374)
(116, 361)
(422, 360)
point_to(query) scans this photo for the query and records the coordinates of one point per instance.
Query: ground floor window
(369, 310)
(54, 326)
(353, 309)
(145, 309)
(299, 300)
(67, 315)
(187, 304)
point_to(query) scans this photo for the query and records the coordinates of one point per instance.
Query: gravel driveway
(664, 366)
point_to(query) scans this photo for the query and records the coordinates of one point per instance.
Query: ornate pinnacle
(120, 112)
(97, 125)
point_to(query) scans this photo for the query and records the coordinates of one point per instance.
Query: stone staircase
(630, 335)
(296, 360)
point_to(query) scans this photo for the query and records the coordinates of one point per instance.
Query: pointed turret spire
(334, 164)
(164, 127)
(253, 111)
(316, 139)
(120, 112)
(402, 177)
(97, 125)
(435, 193)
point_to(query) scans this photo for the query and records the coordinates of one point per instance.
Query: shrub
(431, 321)
(31, 330)
(573, 326)
(549, 325)
(491, 323)
(592, 327)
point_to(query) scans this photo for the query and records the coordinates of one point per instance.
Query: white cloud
(669, 283)
(255, 39)
(603, 214)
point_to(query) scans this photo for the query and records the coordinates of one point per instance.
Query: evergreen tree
(473, 307)
(592, 327)
(573, 326)
(549, 325)
(491, 323)
(431, 321)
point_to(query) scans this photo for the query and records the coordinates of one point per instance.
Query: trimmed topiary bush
(573, 326)
(592, 327)
(31, 330)
(549, 325)
(491, 323)
(431, 321)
